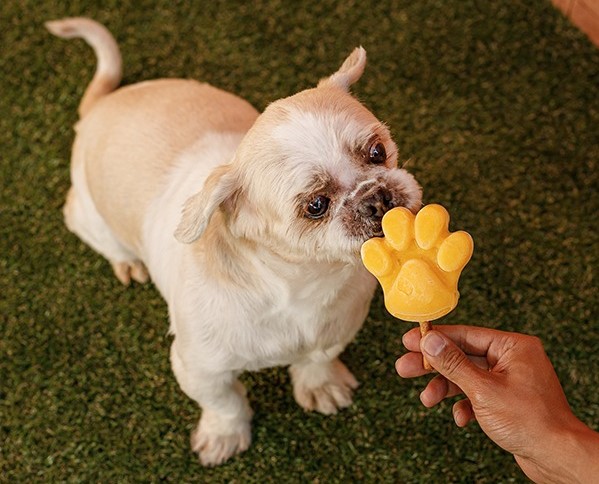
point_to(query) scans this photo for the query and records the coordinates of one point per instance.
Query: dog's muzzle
(363, 211)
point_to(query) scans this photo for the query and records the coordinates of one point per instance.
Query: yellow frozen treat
(418, 262)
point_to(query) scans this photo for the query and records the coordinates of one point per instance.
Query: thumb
(449, 360)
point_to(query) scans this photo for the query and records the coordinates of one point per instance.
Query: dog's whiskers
(407, 162)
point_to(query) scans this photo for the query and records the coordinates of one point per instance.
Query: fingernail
(457, 417)
(433, 344)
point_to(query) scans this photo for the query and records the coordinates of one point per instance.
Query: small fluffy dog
(249, 224)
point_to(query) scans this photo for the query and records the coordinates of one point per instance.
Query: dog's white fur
(251, 281)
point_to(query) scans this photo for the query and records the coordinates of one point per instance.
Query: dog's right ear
(350, 71)
(220, 188)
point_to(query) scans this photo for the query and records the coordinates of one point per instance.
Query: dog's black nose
(377, 205)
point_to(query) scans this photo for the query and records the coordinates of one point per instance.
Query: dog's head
(313, 177)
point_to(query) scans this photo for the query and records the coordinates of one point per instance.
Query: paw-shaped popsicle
(418, 262)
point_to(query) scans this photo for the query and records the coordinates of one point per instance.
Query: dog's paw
(216, 440)
(125, 271)
(418, 262)
(324, 387)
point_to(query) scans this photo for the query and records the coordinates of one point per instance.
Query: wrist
(585, 445)
(570, 455)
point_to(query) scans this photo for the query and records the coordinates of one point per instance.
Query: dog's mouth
(375, 229)
(377, 233)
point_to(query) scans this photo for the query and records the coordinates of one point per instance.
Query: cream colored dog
(249, 224)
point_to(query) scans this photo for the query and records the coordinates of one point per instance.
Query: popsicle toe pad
(418, 262)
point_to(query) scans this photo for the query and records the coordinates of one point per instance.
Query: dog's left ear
(350, 71)
(219, 189)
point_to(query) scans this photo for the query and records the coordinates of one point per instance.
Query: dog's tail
(109, 70)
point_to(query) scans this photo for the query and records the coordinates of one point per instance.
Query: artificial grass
(494, 104)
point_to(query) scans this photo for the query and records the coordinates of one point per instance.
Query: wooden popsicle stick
(425, 327)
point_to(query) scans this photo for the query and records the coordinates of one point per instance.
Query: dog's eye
(377, 154)
(317, 207)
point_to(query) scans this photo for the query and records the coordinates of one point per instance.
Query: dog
(250, 225)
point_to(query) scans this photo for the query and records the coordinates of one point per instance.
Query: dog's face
(313, 177)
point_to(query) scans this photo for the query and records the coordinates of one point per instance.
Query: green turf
(494, 104)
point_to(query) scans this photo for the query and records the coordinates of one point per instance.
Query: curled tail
(109, 70)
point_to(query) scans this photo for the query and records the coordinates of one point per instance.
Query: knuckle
(478, 396)
(534, 343)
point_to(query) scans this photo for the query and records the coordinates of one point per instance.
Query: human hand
(511, 390)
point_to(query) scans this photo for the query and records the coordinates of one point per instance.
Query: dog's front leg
(224, 427)
(322, 382)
